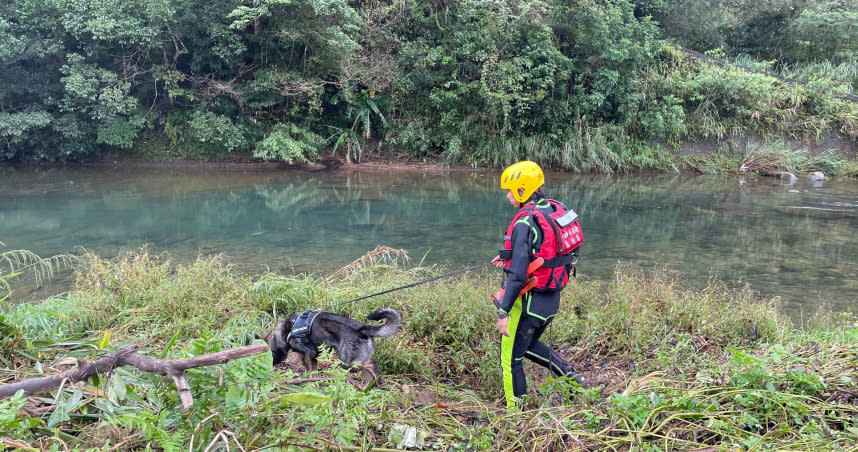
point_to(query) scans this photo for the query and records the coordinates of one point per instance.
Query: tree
(31, 53)
(361, 107)
(608, 46)
(757, 28)
(826, 31)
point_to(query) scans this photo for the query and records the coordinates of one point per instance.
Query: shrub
(289, 143)
(218, 130)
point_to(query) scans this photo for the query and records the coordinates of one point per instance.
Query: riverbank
(247, 163)
(667, 367)
(833, 156)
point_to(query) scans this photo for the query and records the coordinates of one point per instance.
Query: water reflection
(794, 241)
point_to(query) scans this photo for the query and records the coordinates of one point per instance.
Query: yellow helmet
(524, 175)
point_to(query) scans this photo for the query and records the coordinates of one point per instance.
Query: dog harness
(301, 327)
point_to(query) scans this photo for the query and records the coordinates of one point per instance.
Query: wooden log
(128, 356)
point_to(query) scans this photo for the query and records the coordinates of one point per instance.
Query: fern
(153, 428)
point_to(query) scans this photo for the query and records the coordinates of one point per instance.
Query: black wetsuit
(530, 314)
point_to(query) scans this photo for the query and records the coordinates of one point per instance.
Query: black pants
(528, 319)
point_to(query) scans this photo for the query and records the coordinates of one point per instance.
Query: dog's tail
(389, 328)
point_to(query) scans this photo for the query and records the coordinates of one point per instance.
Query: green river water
(794, 241)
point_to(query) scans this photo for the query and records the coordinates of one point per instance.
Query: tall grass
(591, 149)
(806, 104)
(840, 77)
(843, 76)
(775, 158)
(681, 99)
(24, 264)
(140, 295)
(644, 313)
(670, 368)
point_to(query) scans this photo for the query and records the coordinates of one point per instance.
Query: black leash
(447, 275)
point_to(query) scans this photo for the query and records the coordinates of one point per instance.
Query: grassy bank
(774, 158)
(668, 368)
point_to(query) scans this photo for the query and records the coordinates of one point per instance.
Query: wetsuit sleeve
(520, 241)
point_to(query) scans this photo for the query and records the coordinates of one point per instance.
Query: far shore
(247, 163)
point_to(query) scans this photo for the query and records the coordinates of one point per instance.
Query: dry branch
(128, 356)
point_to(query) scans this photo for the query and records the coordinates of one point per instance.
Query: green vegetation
(26, 265)
(14, 263)
(576, 85)
(669, 368)
(775, 159)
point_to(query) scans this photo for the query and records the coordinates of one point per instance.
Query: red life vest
(562, 235)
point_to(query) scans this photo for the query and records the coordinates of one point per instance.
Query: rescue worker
(522, 318)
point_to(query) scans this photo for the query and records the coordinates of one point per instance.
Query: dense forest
(581, 85)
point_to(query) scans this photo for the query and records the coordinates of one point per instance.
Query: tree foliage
(788, 31)
(458, 80)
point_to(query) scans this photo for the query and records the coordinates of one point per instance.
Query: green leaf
(236, 397)
(58, 416)
(7, 329)
(304, 398)
(116, 392)
(9, 409)
(170, 345)
(105, 340)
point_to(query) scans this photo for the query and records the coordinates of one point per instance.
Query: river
(793, 241)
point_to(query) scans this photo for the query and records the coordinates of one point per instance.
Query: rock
(788, 178)
(816, 176)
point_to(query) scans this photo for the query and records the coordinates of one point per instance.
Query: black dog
(353, 341)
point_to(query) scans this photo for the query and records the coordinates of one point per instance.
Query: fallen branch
(17, 445)
(128, 356)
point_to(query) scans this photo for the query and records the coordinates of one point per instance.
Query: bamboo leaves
(17, 262)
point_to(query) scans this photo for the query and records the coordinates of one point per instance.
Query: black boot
(575, 377)
(569, 374)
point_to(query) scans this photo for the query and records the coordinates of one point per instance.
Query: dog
(353, 341)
